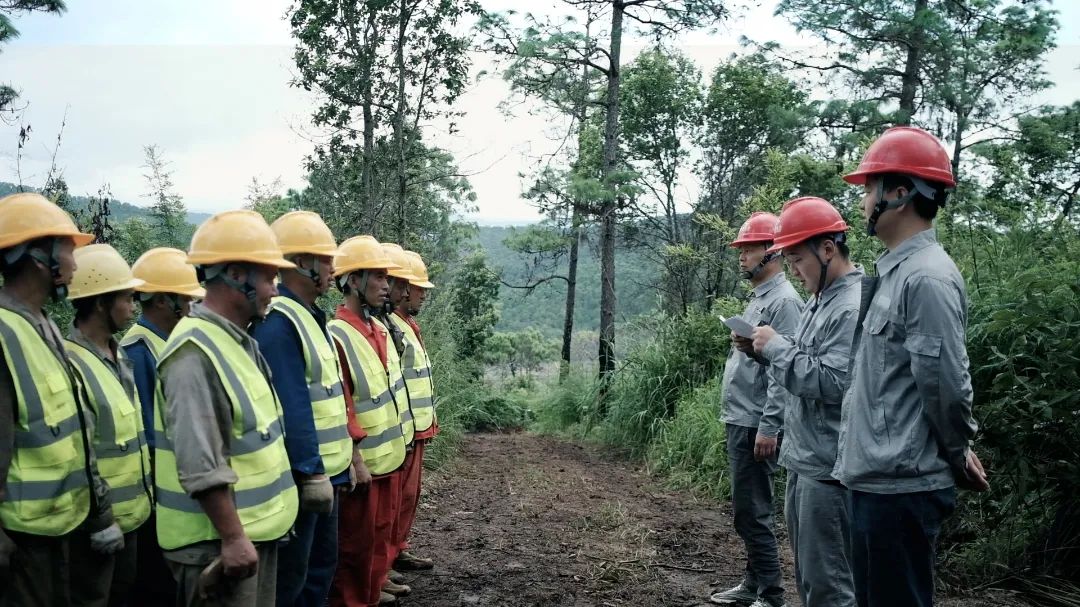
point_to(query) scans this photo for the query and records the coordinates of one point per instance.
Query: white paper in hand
(739, 326)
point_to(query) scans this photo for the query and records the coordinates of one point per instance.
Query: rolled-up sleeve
(280, 346)
(198, 416)
(822, 376)
(784, 319)
(935, 339)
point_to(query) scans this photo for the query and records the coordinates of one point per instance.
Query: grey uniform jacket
(813, 366)
(751, 398)
(907, 416)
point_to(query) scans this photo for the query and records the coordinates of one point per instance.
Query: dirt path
(525, 521)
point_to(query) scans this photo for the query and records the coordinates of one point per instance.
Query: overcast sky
(208, 82)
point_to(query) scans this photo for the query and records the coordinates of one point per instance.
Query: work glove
(109, 540)
(7, 550)
(317, 494)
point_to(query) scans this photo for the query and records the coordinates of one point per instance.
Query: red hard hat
(804, 218)
(905, 150)
(759, 227)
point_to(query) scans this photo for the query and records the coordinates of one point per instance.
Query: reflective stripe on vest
(416, 368)
(48, 489)
(394, 377)
(119, 442)
(140, 334)
(264, 494)
(374, 403)
(323, 375)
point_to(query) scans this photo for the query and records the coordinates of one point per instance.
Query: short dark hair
(85, 306)
(839, 239)
(926, 208)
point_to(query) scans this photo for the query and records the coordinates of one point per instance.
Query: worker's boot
(409, 562)
(396, 589)
(387, 599)
(396, 577)
(742, 594)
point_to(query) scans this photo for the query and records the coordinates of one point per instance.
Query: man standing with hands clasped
(907, 421)
(813, 366)
(754, 415)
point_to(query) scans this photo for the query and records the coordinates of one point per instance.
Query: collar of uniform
(840, 284)
(284, 291)
(361, 323)
(10, 303)
(76, 335)
(892, 259)
(769, 285)
(42, 322)
(152, 327)
(201, 312)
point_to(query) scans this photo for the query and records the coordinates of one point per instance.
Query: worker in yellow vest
(102, 291)
(50, 491)
(407, 293)
(224, 488)
(376, 390)
(307, 378)
(169, 286)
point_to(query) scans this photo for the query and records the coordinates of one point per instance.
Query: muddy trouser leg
(893, 539)
(818, 518)
(752, 500)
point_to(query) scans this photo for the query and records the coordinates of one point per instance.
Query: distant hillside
(120, 211)
(544, 307)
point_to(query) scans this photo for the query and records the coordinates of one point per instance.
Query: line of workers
(236, 447)
(861, 392)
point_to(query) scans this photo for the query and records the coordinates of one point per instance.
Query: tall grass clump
(690, 448)
(568, 408)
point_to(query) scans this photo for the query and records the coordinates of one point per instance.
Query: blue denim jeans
(893, 540)
(306, 564)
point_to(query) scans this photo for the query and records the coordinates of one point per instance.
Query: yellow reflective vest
(265, 495)
(416, 368)
(48, 485)
(323, 375)
(376, 396)
(138, 333)
(123, 456)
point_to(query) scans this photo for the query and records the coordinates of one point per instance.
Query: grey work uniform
(906, 421)
(813, 366)
(755, 403)
(198, 414)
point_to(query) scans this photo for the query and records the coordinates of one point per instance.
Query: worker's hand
(7, 550)
(742, 344)
(317, 494)
(762, 336)
(764, 447)
(239, 557)
(109, 540)
(359, 476)
(974, 477)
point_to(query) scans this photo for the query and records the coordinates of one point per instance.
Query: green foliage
(523, 351)
(8, 32)
(168, 215)
(690, 449)
(474, 300)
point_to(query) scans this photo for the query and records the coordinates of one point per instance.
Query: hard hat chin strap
(246, 286)
(919, 187)
(753, 272)
(172, 299)
(50, 261)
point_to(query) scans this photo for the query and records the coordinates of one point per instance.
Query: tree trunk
(910, 83)
(606, 356)
(401, 218)
(571, 294)
(367, 205)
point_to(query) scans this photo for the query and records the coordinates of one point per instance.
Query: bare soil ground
(519, 520)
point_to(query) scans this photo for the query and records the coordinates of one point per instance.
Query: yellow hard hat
(419, 271)
(236, 236)
(304, 232)
(100, 270)
(28, 216)
(361, 253)
(397, 255)
(166, 270)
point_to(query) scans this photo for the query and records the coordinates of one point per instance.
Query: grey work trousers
(819, 527)
(258, 590)
(40, 573)
(752, 500)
